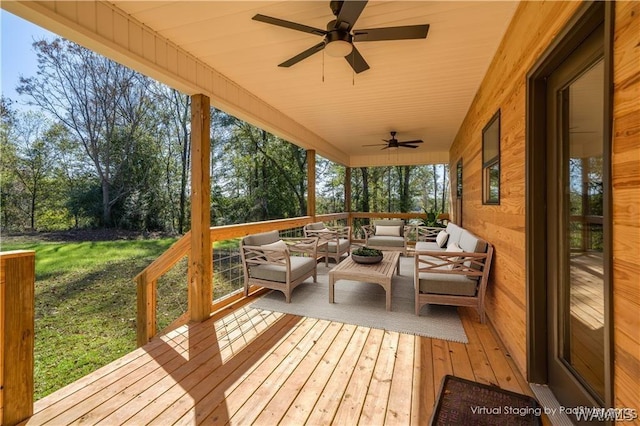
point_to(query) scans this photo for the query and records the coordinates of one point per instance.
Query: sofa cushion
(261, 239)
(299, 267)
(453, 248)
(442, 238)
(428, 246)
(385, 241)
(454, 232)
(472, 244)
(449, 284)
(387, 231)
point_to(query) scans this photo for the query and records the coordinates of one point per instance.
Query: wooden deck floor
(252, 367)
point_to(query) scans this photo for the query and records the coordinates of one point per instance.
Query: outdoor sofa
(451, 268)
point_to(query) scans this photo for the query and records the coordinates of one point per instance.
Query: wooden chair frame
(258, 255)
(469, 264)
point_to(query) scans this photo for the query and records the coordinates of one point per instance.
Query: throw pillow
(442, 238)
(453, 248)
(281, 246)
(387, 231)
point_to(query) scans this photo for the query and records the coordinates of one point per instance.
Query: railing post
(200, 259)
(146, 317)
(347, 195)
(311, 183)
(17, 289)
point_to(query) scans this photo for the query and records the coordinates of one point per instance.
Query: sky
(16, 55)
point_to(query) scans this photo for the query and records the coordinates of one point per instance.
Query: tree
(102, 102)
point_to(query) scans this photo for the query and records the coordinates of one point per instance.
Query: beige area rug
(363, 304)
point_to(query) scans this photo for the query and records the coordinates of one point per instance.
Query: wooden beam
(311, 183)
(17, 305)
(200, 260)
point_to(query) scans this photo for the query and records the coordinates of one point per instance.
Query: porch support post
(17, 305)
(200, 259)
(311, 183)
(347, 195)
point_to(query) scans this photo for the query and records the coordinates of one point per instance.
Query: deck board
(256, 367)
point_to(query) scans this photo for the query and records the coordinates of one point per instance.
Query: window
(459, 179)
(491, 161)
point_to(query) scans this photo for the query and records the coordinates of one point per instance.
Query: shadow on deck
(258, 367)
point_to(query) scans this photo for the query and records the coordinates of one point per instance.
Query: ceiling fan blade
(300, 56)
(406, 142)
(406, 146)
(356, 61)
(392, 33)
(349, 13)
(289, 24)
(376, 144)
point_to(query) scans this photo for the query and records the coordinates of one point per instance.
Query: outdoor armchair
(389, 234)
(333, 241)
(268, 261)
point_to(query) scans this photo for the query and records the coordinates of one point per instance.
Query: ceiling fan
(340, 35)
(393, 143)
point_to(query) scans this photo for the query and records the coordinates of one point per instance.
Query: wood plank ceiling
(420, 88)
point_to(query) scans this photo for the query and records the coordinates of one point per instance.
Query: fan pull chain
(323, 65)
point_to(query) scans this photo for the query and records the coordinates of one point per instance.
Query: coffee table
(378, 273)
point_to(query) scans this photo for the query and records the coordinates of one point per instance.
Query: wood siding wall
(532, 30)
(626, 204)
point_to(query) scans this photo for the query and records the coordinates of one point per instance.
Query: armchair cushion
(343, 245)
(385, 241)
(316, 226)
(261, 239)
(388, 231)
(272, 272)
(390, 222)
(276, 251)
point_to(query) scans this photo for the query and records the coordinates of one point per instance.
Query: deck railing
(147, 280)
(17, 292)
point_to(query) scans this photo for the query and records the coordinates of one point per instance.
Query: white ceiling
(420, 88)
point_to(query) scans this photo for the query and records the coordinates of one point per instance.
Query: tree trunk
(435, 187)
(365, 190)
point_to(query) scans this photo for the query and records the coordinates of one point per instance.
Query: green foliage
(367, 252)
(86, 304)
(431, 219)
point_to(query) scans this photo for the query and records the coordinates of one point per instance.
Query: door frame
(587, 18)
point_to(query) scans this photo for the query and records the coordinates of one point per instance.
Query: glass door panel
(582, 289)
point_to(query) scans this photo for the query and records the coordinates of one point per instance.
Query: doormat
(465, 402)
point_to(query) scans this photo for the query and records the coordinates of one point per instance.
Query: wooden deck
(252, 367)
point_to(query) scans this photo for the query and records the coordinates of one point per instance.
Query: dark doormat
(463, 402)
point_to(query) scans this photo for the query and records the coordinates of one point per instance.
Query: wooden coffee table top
(348, 269)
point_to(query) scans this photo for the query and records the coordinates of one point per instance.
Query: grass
(86, 304)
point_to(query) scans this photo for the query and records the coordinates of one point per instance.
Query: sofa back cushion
(454, 232)
(261, 239)
(470, 243)
(390, 222)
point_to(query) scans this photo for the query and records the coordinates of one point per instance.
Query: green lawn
(86, 304)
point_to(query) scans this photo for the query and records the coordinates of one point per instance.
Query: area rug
(466, 402)
(363, 304)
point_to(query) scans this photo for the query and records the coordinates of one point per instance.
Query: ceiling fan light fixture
(338, 44)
